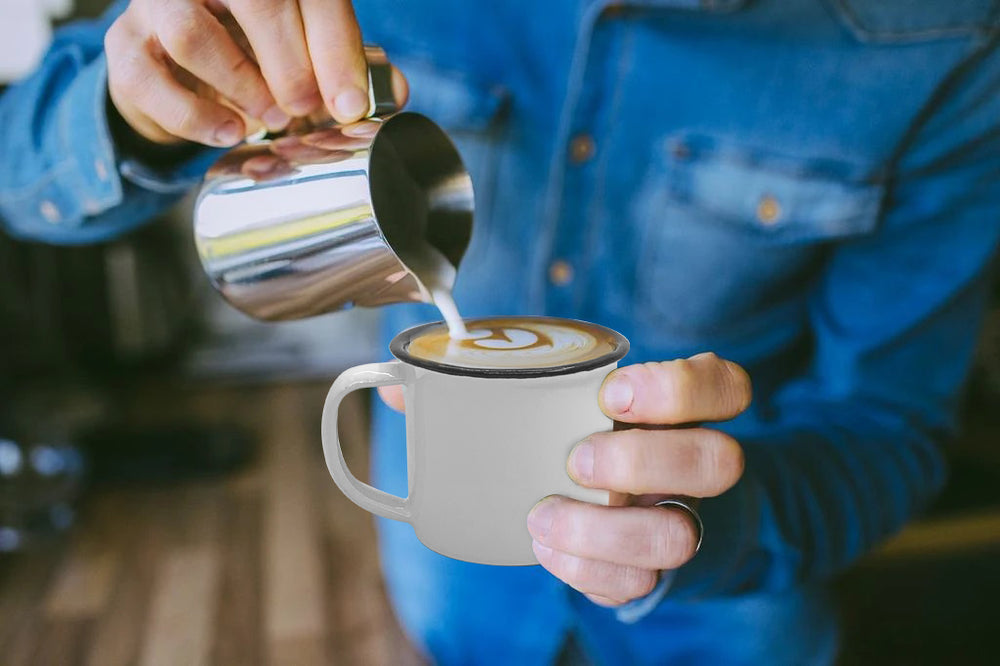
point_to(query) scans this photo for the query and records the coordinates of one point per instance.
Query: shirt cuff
(726, 549)
(728, 544)
(88, 181)
(82, 196)
(170, 175)
(85, 134)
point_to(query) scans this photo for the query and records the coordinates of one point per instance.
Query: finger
(611, 581)
(120, 45)
(275, 33)
(603, 601)
(338, 57)
(645, 538)
(697, 462)
(144, 85)
(393, 397)
(701, 388)
(400, 87)
(197, 41)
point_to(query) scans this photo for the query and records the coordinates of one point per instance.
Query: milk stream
(445, 302)
(438, 274)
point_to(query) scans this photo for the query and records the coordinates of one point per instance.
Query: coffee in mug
(512, 342)
(490, 421)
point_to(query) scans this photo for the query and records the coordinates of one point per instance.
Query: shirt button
(614, 10)
(679, 150)
(50, 212)
(560, 273)
(768, 210)
(582, 148)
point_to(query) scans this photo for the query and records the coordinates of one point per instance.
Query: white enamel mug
(483, 446)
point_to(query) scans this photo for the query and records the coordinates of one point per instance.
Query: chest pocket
(916, 20)
(733, 237)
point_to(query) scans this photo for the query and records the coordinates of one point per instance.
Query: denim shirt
(62, 181)
(810, 188)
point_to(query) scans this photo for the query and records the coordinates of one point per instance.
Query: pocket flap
(913, 20)
(772, 197)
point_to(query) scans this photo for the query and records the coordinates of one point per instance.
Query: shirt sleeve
(844, 455)
(62, 179)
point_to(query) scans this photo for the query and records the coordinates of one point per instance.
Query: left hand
(614, 554)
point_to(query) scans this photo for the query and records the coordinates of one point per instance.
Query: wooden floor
(271, 565)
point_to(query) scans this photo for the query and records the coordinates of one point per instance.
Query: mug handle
(368, 498)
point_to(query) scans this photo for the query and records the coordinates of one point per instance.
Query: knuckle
(661, 551)
(723, 461)
(114, 37)
(679, 540)
(130, 74)
(740, 386)
(245, 71)
(688, 456)
(659, 548)
(297, 83)
(650, 547)
(182, 34)
(613, 460)
(248, 89)
(261, 9)
(185, 123)
(679, 384)
(638, 582)
(565, 534)
(574, 569)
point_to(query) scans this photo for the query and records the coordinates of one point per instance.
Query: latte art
(499, 337)
(515, 342)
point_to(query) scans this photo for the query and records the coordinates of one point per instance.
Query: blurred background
(163, 498)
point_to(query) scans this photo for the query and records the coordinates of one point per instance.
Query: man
(808, 189)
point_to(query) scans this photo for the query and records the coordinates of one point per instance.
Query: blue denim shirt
(810, 188)
(62, 181)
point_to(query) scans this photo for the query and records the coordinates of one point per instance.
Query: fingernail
(581, 463)
(618, 394)
(275, 118)
(228, 134)
(541, 552)
(351, 103)
(540, 519)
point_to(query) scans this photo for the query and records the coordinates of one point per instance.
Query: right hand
(213, 71)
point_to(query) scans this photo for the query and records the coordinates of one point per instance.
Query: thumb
(701, 388)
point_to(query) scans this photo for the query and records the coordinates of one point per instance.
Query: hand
(614, 554)
(212, 71)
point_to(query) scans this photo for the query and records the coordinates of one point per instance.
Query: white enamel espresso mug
(483, 445)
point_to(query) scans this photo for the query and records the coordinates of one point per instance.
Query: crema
(514, 342)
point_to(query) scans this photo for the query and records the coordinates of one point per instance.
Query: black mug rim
(399, 343)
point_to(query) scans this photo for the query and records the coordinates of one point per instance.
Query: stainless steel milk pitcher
(318, 219)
